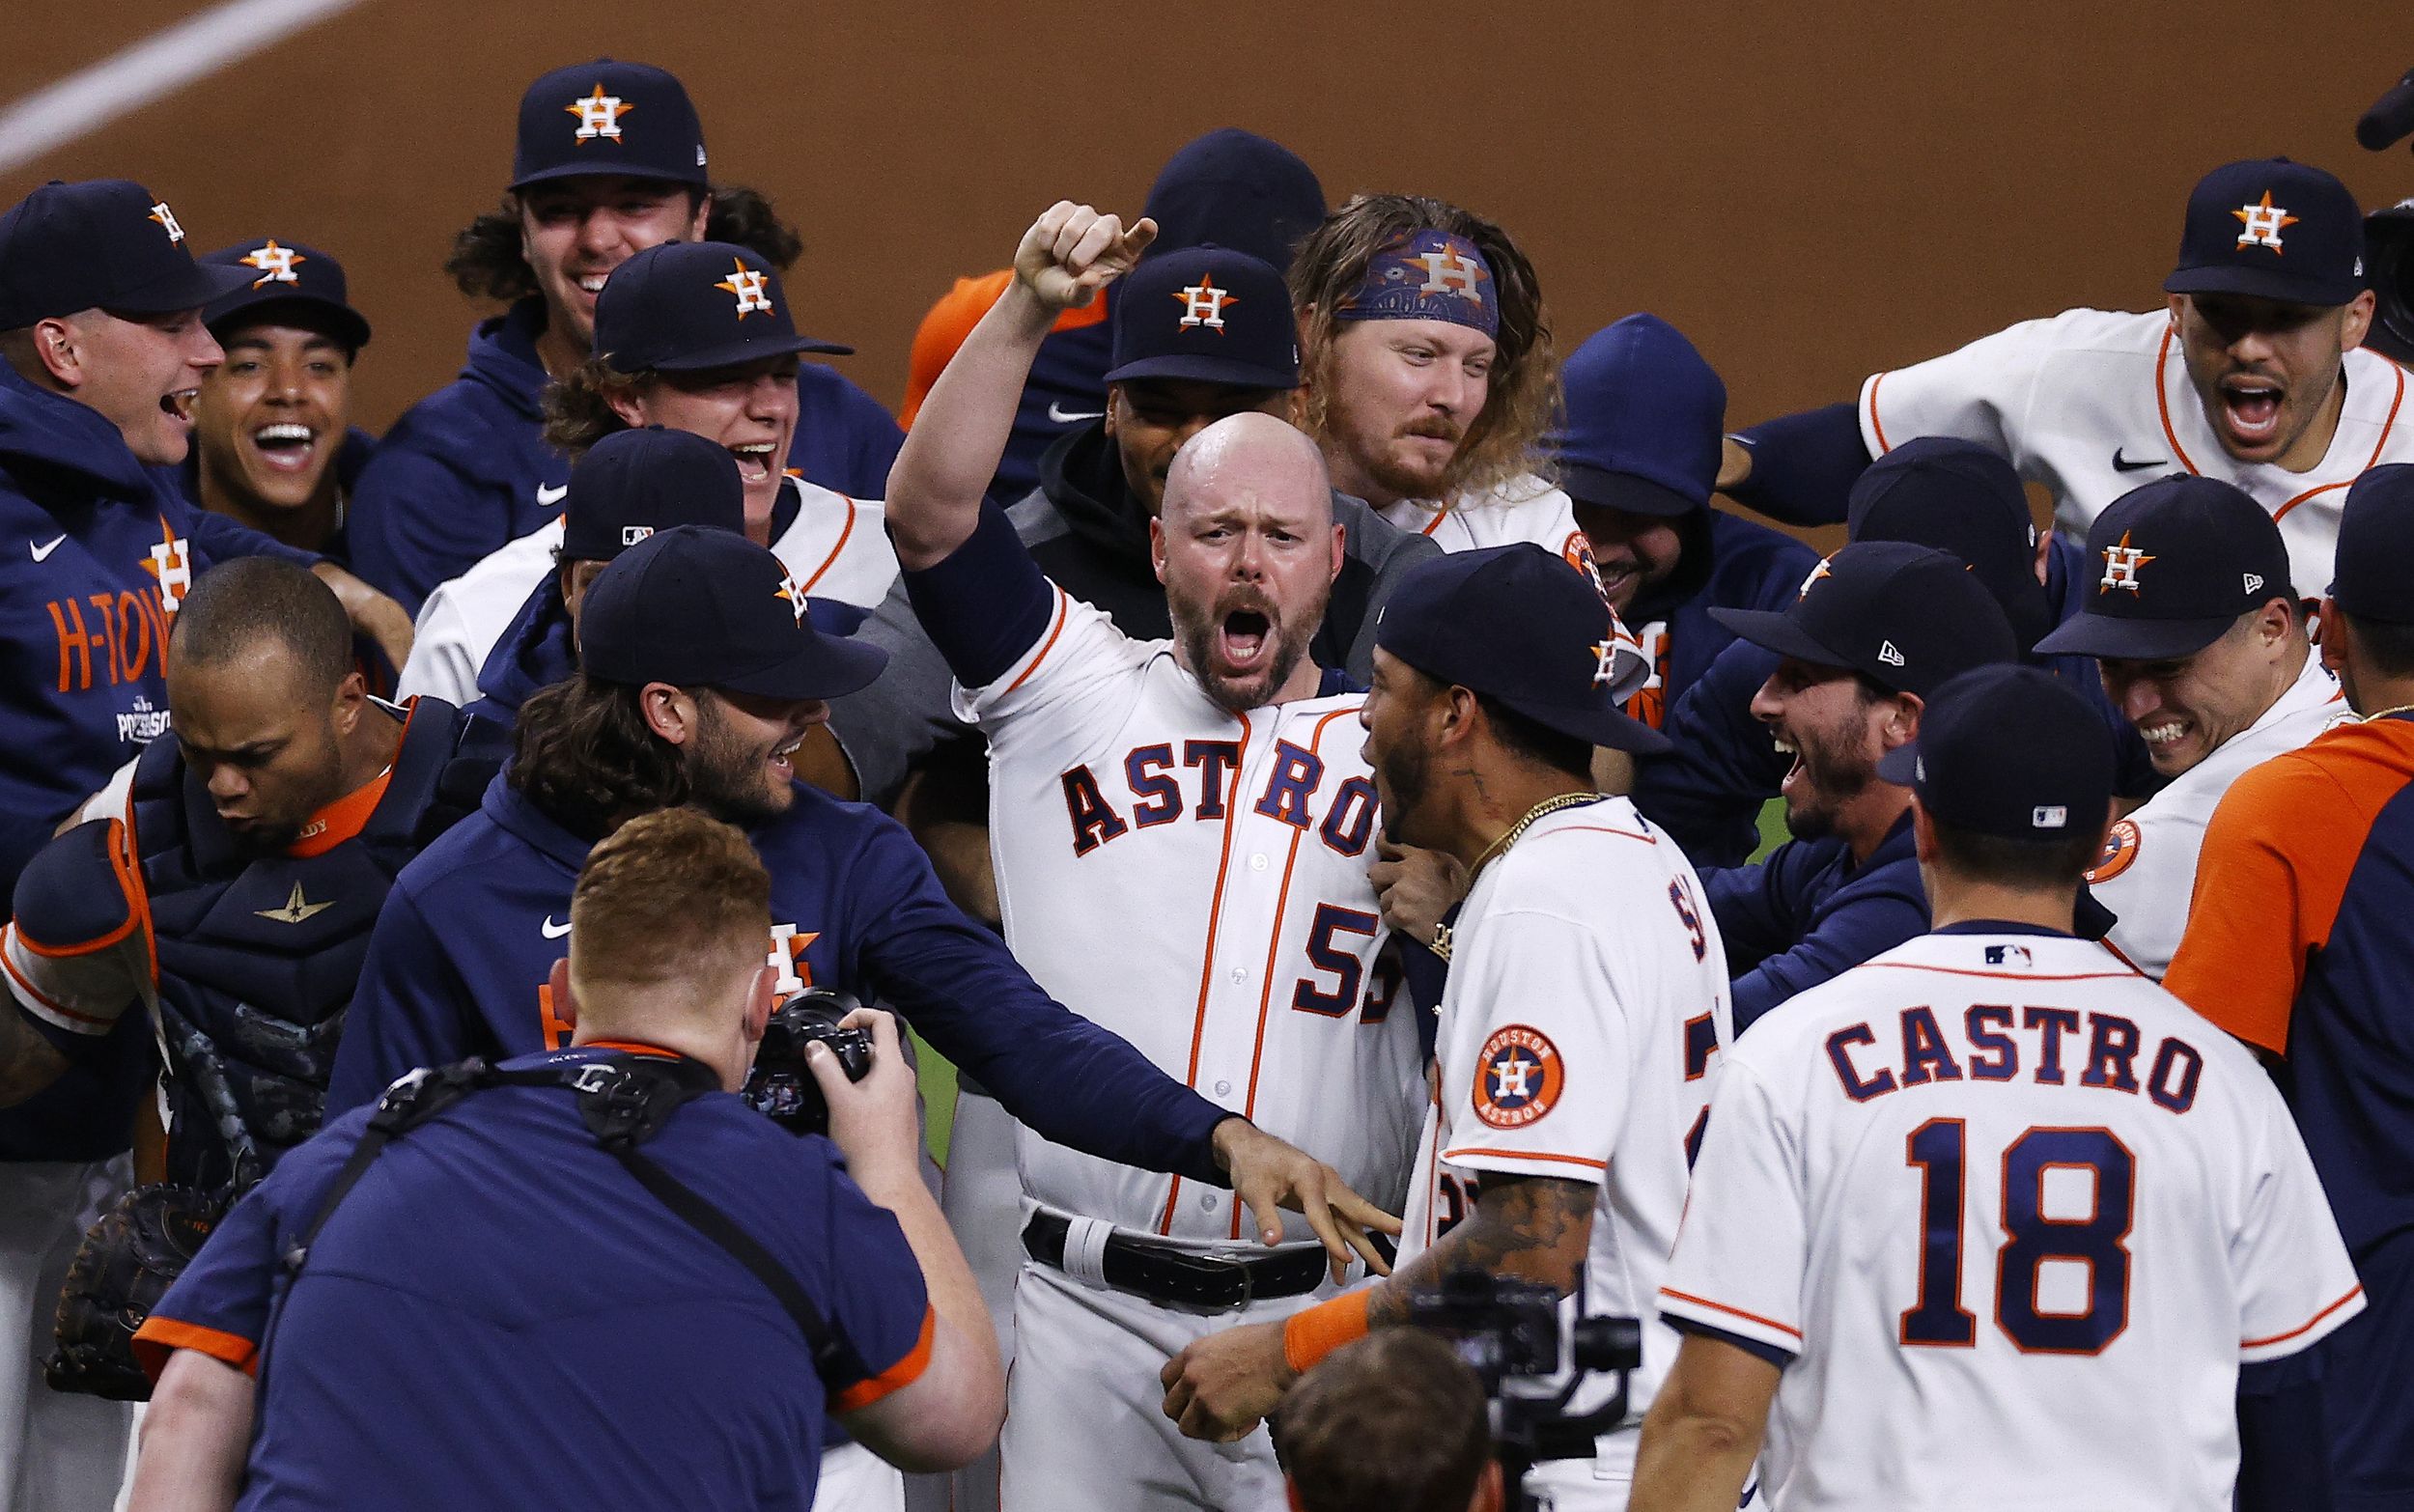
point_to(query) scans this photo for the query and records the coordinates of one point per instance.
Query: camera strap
(624, 1099)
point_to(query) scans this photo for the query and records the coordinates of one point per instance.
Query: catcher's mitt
(129, 1260)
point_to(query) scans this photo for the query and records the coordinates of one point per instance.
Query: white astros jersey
(2016, 1214)
(1196, 881)
(2094, 402)
(1525, 510)
(2147, 870)
(836, 547)
(1580, 1024)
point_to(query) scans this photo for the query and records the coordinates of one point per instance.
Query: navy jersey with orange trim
(458, 963)
(2298, 942)
(532, 1329)
(94, 557)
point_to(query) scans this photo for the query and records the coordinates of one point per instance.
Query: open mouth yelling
(755, 461)
(1245, 640)
(286, 447)
(1798, 770)
(2251, 404)
(177, 406)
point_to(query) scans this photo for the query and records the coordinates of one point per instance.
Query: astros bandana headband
(1430, 275)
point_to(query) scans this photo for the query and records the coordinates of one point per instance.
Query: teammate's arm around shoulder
(945, 1414)
(935, 491)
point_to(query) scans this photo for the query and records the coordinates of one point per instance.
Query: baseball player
(1230, 188)
(2297, 943)
(273, 445)
(1586, 1002)
(1638, 456)
(1427, 374)
(609, 160)
(1991, 1221)
(2252, 375)
(697, 337)
(1181, 832)
(2203, 647)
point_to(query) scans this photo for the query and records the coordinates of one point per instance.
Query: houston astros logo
(1816, 573)
(598, 116)
(169, 563)
(794, 596)
(1448, 272)
(276, 264)
(2120, 852)
(2120, 566)
(1605, 660)
(750, 286)
(2263, 223)
(1203, 304)
(166, 217)
(1519, 1077)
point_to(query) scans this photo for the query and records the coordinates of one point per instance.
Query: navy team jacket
(459, 960)
(466, 468)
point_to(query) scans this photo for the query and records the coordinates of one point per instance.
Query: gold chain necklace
(1440, 944)
(2383, 714)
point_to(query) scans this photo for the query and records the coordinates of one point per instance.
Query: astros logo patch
(2263, 223)
(748, 286)
(794, 595)
(1519, 1077)
(166, 217)
(598, 116)
(1448, 272)
(2120, 566)
(276, 264)
(2120, 852)
(1203, 304)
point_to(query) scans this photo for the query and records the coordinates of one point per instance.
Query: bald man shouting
(1181, 832)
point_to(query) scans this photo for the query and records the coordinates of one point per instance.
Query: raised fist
(1072, 251)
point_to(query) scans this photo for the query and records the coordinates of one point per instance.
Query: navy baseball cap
(1516, 624)
(1956, 496)
(2274, 229)
(1208, 313)
(104, 243)
(1904, 616)
(607, 118)
(632, 484)
(685, 306)
(1645, 421)
(2009, 751)
(1236, 189)
(2376, 546)
(709, 608)
(2179, 561)
(286, 279)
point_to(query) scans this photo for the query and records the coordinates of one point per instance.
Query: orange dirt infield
(1810, 192)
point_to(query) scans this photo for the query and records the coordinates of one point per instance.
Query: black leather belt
(1163, 1274)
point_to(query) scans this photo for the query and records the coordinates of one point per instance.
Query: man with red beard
(2254, 375)
(1181, 830)
(1427, 372)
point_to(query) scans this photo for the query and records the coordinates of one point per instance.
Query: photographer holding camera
(467, 1301)
(1586, 996)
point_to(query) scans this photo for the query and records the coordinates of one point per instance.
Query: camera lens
(2389, 257)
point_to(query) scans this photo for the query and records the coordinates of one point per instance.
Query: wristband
(1310, 1336)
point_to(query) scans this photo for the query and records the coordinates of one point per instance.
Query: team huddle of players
(1266, 701)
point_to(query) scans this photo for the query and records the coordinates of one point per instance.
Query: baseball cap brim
(186, 289)
(1773, 630)
(612, 170)
(1198, 369)
(2262, 283)
(1900, 766)
(1626, 492)
(831, 666)
(1594, 725)
(2133, 640)
(339, 321)
(736, 354)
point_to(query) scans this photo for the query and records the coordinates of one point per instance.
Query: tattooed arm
(1528, 1228)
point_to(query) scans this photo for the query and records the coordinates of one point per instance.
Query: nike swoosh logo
(2125, 464)
(1063, 416)
(547, 497)
(552, 931)
(41, 554)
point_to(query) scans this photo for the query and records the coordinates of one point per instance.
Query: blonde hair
(1503, 444)
(670, 897)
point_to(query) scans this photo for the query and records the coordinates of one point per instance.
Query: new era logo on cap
(1887, 654)
(2251, 580)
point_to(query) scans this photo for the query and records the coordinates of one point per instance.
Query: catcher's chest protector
(259, 958)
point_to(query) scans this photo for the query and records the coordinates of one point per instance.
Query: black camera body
(2389, 234)
(781, 1085)
(1509, 1331)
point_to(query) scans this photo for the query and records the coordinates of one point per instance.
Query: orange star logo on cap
(2263, 223)
(2121, 562)
(276, 264)
(748, 286)
(598, 116)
